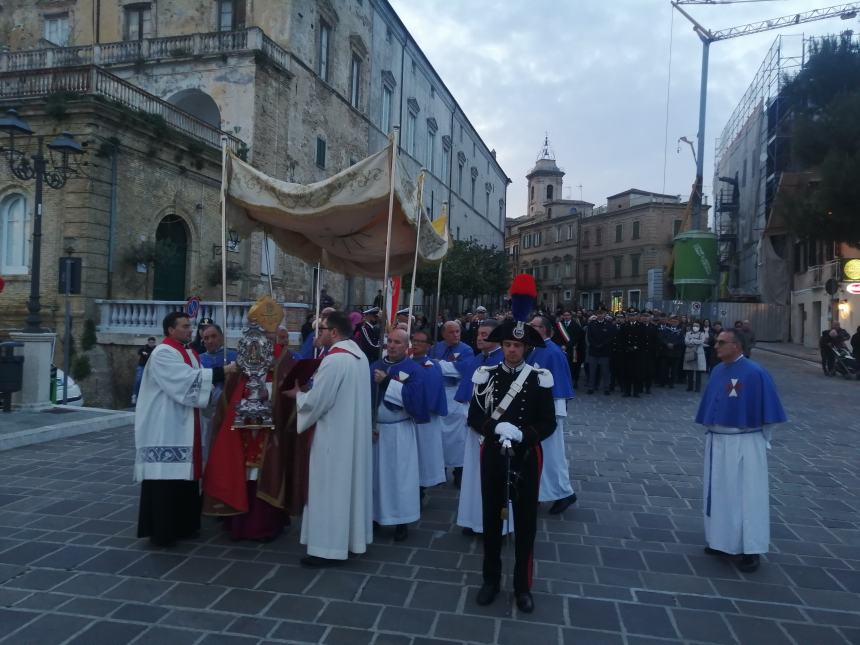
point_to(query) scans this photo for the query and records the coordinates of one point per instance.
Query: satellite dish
(831, 286)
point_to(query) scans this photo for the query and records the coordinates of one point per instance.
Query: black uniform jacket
(532, 410)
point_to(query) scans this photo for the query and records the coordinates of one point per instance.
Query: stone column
(38, 353)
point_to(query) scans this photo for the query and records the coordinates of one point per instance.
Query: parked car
(75, 397)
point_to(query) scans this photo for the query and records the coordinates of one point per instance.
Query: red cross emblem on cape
(733, 387)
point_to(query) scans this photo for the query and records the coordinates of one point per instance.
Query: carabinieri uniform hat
(523, 296)
(373, 311)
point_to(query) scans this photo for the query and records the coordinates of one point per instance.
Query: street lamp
(55, 174)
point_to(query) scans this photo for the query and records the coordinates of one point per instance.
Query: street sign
(74, 267)
(696, 308)
(192, 307)
(853, 288)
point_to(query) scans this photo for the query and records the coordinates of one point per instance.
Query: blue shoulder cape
(434, 386)
(740, 395)
(440, 352)
(411, 375)
(553, 358)
(307, 348)
(464, 389)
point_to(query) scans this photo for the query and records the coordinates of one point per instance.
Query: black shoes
(458, 476)
(401, 532)
(469, 532)
(315, 562)
(487, 594)
(525, 602)
(710, 551)
(749, 563)
(561, 505)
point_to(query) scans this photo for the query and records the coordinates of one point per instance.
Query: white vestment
(396, 497)
(337, 517)
(454, 423)
(164, 418)
(431, 452)
(736, 477)
(470, 513)
(555, 475)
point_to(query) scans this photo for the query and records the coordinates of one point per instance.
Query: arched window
(549, 192)
(15, 231)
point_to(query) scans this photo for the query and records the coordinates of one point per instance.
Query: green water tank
(695, 265)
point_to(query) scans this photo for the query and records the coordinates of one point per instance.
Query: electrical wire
(668, 98)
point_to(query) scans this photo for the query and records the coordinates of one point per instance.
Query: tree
(469, 270)
(824, 98)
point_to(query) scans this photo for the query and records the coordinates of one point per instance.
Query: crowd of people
(385, 414)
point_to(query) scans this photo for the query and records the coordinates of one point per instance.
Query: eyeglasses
(726, 342)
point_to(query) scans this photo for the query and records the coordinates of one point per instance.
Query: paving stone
(28, 552)
(49, 629)
(806, 633)
(298, 632)
(252, 626)
(391, 639)
(68, 557)
(410, 621)
(295, 608)
(110, 561)
(436, 596)
(350, 614)
(104, 632)
(588, 613)
(465, 628)
(337, 584)
(13, 619)
(346, 636)
(580, 636)
(153, 565)
(158, 635)
(89, 584)
(757, 630)
(850, 580)
(90, 606)
(245, 574)
(386, 591)
(140, 590)
(140, 613)
(513, 632)
(201, 570)
(196, 619)
(228, 639)
(39, 579)
(195, 596)
(704, 626)
(621, 558)
(244, 601)
(768, 610)
(42, 601)
(286, 579)
(648, 620)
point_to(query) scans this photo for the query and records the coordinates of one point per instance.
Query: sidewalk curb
(787, 355)
(111, 419)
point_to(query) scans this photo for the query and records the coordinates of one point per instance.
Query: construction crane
(844, 11)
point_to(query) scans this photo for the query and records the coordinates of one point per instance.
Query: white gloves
(509, 431)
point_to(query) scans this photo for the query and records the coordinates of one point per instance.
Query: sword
(508, 452)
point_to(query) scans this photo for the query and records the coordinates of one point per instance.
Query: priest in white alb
(337, 517)
(167, 434)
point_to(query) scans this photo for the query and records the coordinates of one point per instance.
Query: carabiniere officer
(511, 401)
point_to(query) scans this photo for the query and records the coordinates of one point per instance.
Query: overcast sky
(593, 75)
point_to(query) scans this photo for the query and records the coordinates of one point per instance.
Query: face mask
(695, 328)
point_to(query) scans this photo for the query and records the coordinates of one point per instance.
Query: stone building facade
(586, 256)
(302, 88)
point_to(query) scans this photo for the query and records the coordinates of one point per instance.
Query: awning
(340, 222)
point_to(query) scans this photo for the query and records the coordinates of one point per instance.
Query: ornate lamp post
(55, 174)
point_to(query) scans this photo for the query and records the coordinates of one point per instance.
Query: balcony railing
(96, 81)
(143, 317)
(148, 50)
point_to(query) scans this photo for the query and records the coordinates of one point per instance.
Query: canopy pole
(439, 277)
(317, 316)
(387, 289)
(224, 241)
(421, 178)
(268, 262)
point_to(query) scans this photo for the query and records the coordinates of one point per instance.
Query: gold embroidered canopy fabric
(340, 222)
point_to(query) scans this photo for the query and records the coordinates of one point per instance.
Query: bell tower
(545, 180)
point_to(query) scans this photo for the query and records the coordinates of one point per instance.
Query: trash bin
(11, 373)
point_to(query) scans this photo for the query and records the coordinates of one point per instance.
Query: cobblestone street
(624, 565)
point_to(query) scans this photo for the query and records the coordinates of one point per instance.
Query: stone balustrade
(148, 50)
(132, 321)
(96, 81)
